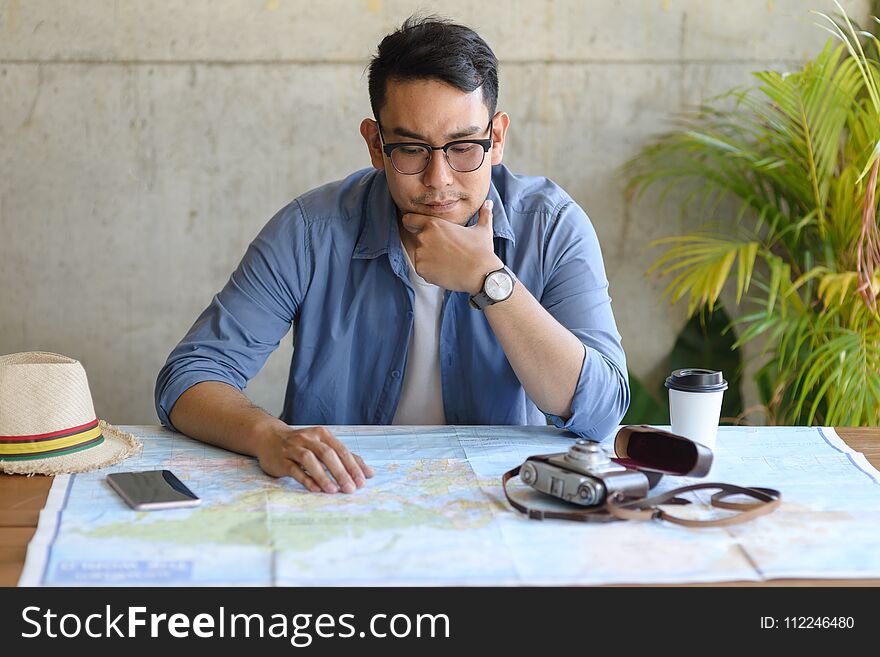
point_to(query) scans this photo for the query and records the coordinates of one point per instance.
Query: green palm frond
(703, 263)
(836, 288)
(867, 68)
(841, 375)
(809, 111)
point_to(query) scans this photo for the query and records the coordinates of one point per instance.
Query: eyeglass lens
(414, 159)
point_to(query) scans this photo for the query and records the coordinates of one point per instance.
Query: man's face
(435, 113)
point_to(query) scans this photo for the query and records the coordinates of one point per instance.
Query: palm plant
(798, 155)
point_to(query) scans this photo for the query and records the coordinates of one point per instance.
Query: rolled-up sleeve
(576, 295)
(232, 338)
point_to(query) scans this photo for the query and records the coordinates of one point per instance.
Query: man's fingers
(485, 216)
(366, 469)
(307, 460)
(347, 458)
(314, 451)
(302, 477)
(328, 456)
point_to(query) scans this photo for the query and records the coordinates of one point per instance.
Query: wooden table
(22, 498)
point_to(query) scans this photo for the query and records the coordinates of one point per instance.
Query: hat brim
(117, 446)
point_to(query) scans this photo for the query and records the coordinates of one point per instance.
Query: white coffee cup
(695, 404)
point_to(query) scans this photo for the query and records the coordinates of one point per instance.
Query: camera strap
(648, 508)
(618, 507)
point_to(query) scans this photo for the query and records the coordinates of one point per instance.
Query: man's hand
(305, 453)
(451, 256)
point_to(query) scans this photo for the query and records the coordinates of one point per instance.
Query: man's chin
(461, 221)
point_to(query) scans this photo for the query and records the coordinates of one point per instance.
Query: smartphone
(152, 489)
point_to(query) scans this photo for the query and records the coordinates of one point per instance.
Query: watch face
(498, 285)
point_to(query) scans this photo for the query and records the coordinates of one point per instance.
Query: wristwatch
(497, 286)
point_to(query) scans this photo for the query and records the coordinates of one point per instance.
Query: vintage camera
(588, 475)
(585, 475)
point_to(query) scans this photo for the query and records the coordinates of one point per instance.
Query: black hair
(435, 48)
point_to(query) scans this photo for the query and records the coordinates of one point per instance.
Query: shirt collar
(380, 234)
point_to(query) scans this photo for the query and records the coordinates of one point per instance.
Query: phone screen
(152, 489)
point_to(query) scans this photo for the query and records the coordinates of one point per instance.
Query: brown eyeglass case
(651, 450)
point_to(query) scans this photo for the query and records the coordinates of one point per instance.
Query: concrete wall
(144, 144)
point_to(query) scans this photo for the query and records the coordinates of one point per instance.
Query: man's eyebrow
(462, 133)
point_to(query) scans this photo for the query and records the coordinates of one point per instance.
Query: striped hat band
(55, 443)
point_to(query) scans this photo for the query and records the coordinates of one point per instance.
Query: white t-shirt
(421, 400)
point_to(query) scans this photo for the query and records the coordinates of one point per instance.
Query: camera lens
(590, 493)
(587, 453)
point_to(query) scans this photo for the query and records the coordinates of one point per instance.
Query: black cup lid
(696, 380)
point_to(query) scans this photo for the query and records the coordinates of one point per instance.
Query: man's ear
(370, 133)
(500, 123)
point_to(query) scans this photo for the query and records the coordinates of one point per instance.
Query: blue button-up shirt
(331, 266)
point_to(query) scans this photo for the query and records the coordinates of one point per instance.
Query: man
(435, 288)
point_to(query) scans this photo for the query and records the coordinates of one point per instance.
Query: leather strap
(767, 500)
(620, 508)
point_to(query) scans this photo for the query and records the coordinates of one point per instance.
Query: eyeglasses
(462, 155)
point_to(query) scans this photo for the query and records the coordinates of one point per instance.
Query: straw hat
(47, 421)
